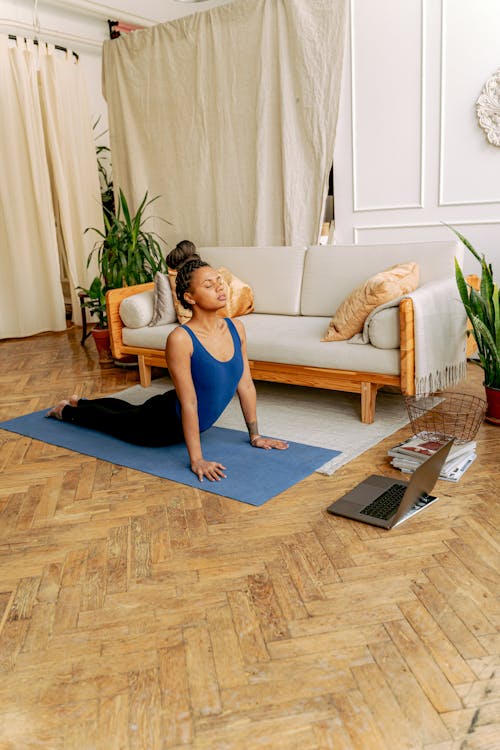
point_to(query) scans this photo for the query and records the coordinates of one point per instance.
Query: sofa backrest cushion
(273, 273)
(331, 272)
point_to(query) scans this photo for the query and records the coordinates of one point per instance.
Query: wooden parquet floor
(138, 614)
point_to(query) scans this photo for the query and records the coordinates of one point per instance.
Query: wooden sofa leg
(144, 371)
(368, 397)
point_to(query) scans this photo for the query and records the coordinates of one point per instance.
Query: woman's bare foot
(56, 411)
(74, 399)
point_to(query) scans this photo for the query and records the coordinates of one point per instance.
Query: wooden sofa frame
(364, 383)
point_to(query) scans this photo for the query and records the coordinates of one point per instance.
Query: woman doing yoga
(208, 364)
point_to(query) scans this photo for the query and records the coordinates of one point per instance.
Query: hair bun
(182, 253)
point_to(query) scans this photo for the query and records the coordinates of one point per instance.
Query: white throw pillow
(136, 311)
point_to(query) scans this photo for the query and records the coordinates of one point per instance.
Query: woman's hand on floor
(209, 469)
(269, 443)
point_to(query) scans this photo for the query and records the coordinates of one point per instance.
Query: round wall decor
(488, 108)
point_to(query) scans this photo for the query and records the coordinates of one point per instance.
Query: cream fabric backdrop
(46, 150)
(230, 116)
(71, 154)
(31, 298)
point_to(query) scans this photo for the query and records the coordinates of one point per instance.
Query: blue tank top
(215, 382)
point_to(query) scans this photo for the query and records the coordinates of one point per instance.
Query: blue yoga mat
(253, 476)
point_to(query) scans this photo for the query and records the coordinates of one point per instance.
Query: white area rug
(329, 419)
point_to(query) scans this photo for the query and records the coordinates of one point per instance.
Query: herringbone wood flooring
(138, 614)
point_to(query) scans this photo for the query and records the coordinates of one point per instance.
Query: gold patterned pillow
(239, 297)
(377, 290)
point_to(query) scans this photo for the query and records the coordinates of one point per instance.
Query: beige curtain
(71, 155)
(45, 172)
(31, 298)
(230, 116)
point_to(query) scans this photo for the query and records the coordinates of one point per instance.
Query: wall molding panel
(394, 189)
(357, 231)
(102, 11)
(369, 143)
(461, 141)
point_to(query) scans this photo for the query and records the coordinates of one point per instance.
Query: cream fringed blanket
(440, 336)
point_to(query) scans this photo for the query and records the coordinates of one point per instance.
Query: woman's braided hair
(184, 259)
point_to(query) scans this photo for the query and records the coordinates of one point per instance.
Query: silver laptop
(380, 501)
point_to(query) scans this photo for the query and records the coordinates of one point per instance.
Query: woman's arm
(248, 400)
(178, 353)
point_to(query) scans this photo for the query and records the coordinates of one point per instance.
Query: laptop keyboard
(386, 504)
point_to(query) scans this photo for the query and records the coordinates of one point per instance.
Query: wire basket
(446, 415)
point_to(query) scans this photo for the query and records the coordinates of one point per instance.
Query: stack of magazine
(409, 454)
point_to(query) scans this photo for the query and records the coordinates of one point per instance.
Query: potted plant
(103, 154)
(483, 310)
(126, 254)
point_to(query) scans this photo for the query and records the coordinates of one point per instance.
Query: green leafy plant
(483, 310)
(103, 154)
(126, 253)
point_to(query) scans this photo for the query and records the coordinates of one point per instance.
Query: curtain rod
(35, 41)
(7, 25)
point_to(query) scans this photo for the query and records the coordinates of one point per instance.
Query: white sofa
(296, 291)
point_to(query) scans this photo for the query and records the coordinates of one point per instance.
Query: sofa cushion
(239, 298)
(296, 341)
(288, 340)
(136, 311)
(331, 272)
(274, 273)
(163, 303)
(378, 289)
(150, 337)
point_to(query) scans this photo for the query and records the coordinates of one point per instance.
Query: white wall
(409, 153)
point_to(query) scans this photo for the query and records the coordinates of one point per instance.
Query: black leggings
(153, 423)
